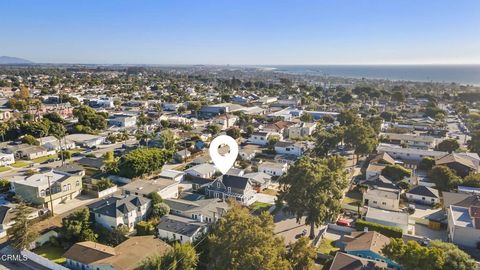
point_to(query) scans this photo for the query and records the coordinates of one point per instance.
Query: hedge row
(389, 231)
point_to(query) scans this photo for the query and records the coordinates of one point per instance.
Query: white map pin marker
(223, 162)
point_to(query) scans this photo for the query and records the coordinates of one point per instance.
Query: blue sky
(253, 32)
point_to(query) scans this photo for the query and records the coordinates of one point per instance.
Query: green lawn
(76, 150)
(50, 252)
(4, 169)
(327, 247)
(43, 159)
(260, 207)
(20, 164)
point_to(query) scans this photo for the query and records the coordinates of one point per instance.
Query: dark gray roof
(424, 191)
(283, 144)
(117, 207)
(235, 182)
(70, 168)
(91, 162)
(179, 225)
(3, 213)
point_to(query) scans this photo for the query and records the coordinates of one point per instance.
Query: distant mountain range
(13, 60)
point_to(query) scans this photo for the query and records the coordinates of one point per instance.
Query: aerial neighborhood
(108, 167)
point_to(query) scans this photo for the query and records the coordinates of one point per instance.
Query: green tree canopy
(143, 160)
(448, 145)
(23, 232)
(242, 241)
(314, 188)
(395, 172)
(444, 178)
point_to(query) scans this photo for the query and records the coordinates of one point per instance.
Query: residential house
(6, 159)
(273, 169)
(206, 210)
(120, 211)
(173, 107)
(387, 198)
(128, 255)
(86, 140)
(36, 189)
(423, 195)
(185, 230)
(260, 180)
(280, 127)
(123, 120)
(238, 188)
(464, 224)
(374, 170)
(367, 245)
(301, 130)
(388, 218)
(166, 188)
(247, 153)
(460, 164)
(174, 175)
(291, 148)
(344, 261)
(225, 121)
(182, 155)
(29, 152)
(416, 155)
(205, 170)
(261, 138)
(53, 144)
(410, 140)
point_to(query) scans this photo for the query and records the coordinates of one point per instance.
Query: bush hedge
(389, 231)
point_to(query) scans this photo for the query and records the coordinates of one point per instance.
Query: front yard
(50, 252)
(4, 169)
(43, 159)
(20, 164)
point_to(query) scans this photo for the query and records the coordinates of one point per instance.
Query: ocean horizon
(461, 74)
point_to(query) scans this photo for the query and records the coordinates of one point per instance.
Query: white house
(174, 175)
(290, 148)
(464, 225)
(273, 169)
(423, 195)
(382, 197)
(166, 188)
(185, 230)
(114, 211)
(122, 120)
(204, 170)
(261, 138)
(52, 143)
(6, 159)
(247, 153)
(374, 170)
(86, 140)
(171, 106)
(388, 218)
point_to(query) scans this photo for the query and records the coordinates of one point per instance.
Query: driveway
(286, 225)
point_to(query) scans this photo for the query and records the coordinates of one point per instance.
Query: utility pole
(50, 192)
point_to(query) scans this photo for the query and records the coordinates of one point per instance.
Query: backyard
(327, 247)
(50, 252)
(4, 169)
(258, 207)
(20, 164)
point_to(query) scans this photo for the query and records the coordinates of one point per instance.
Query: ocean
(461, 74)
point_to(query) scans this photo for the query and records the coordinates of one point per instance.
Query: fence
(42, 261)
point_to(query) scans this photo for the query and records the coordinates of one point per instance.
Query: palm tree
(3, 130)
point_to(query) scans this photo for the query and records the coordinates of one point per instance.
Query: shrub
(389, 231)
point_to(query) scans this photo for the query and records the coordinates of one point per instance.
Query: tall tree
(444, 178)
(301, 254)
(23, 233)
(448, 145)
(242, 241)
(313, 188)
(181, 257)
(327, 140)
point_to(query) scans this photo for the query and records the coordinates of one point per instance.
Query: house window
(375, 202)
(218, 184)
(384, 203)
(77, 183)
(42, 192)
(229, 189)
(423, 198)
(69, 187)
